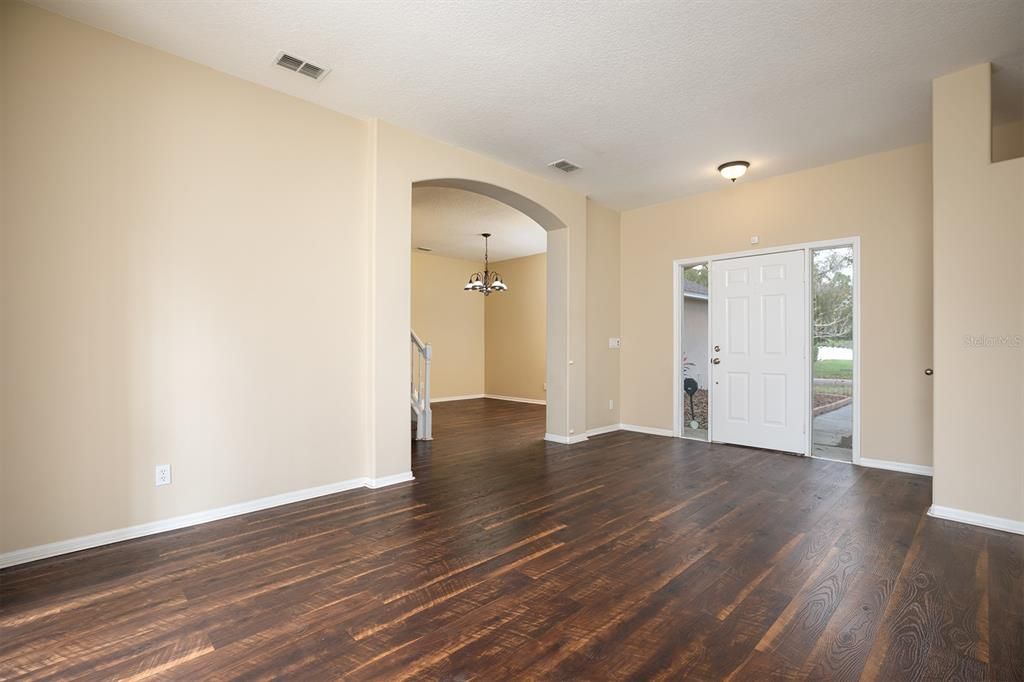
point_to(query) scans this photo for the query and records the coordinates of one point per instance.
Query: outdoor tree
(697, 273)
(833, 296)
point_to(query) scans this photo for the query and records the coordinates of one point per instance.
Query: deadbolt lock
(717, 348)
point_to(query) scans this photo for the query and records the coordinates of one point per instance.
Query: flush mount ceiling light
(733, 169)
(485, 282)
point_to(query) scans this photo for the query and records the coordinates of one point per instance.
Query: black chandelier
(485, 282)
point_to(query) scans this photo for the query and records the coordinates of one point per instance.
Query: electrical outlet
(611, 404)
(163, 474)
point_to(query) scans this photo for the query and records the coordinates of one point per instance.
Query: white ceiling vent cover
(299, 65)
(564, 166)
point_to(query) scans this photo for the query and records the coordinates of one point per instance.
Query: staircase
(419, 395)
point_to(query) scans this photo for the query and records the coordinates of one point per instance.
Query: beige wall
(200, 271)
(183, 280)
(494, 345)
(516, 331)
(451, 321)
(979, 305)
(603, 292)
(883, 198)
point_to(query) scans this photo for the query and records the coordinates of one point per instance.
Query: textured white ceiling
(450, 222)
(648, 96)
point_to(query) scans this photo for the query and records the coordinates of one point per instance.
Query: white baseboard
(974, 519)
(510, 398)
(477, 396)
(650, 430)
(385, 481)
(888, 465)
(23, 556)
(601, 430)
(451, 398)
(565, 440)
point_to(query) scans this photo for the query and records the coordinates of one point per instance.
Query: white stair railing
(419, 395)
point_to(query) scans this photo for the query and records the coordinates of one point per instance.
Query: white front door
(758, 351)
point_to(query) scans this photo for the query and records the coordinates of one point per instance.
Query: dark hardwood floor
(625, 557)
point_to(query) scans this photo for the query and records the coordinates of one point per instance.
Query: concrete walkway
(830, 430)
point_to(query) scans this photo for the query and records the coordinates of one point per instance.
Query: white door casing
(759, 326)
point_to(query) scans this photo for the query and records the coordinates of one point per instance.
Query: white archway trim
(540, 215)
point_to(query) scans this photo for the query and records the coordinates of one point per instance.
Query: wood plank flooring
(626, 557)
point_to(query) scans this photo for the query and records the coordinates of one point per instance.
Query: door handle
(715, 361)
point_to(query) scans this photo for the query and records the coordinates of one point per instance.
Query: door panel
(759, 325)
(739, 397)
(738, 324)
(773, 331)
(774, 399)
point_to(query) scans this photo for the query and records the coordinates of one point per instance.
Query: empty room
(511, 340)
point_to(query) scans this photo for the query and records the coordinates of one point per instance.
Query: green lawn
(843, 389)
(833, 369)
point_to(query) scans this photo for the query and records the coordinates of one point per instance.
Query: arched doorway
(401, 160)
(466, 346)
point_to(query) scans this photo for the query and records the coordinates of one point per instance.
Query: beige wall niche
(451, 321)
(516, 330)
(1007, 141)
(979, 309)
(883, 198)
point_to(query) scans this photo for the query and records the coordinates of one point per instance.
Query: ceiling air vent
(292, 63)
(564, 166)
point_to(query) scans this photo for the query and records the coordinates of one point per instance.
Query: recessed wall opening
(1008, 108)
